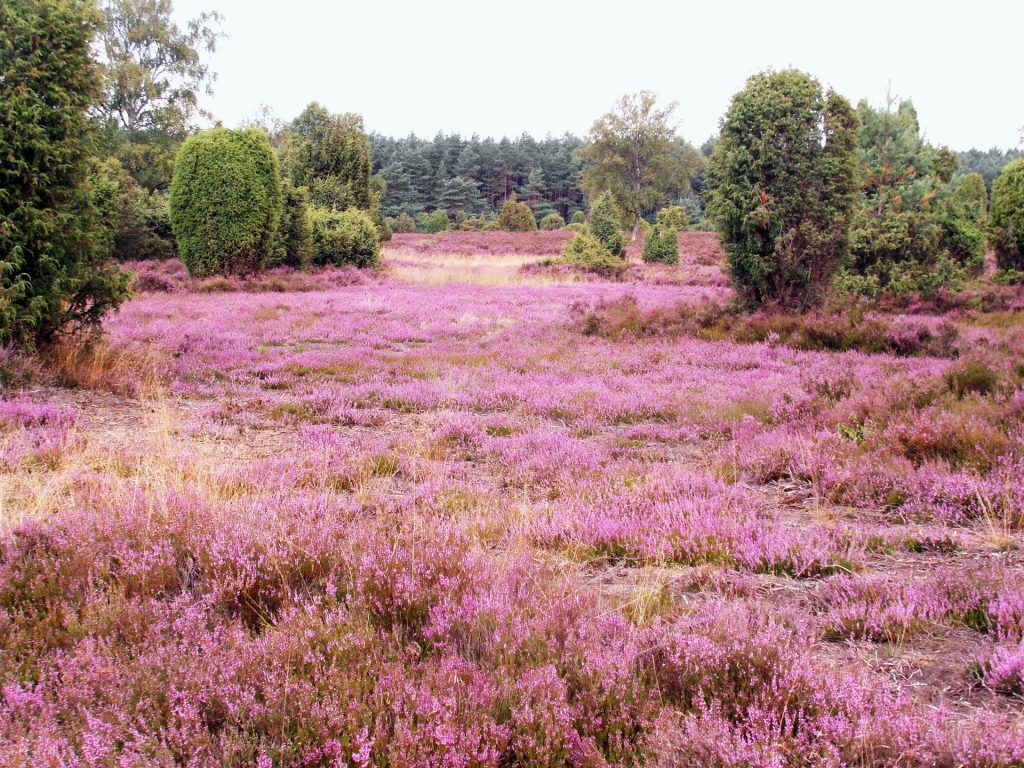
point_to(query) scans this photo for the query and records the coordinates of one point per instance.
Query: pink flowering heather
(327, 519)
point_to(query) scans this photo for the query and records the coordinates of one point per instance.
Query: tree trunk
(636, 228)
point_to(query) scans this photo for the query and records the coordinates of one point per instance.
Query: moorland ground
(476, 510)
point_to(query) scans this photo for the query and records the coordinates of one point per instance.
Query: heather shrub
(606, 224)
(587, 252)
(295, 234)
(344, 237)
(404, 223)
(515, 216)
(435, 222)
(225, 202)
(552, 221)
(782, 184)
(1007, 220)
(661, 246)
(672, 218)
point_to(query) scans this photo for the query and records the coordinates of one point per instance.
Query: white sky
(499, 68)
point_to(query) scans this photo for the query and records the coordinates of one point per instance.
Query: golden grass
(479, 269)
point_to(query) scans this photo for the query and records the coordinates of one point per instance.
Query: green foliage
(344, 237)
(226, 202)
(578, 217)
(136, 225)
(461, 194)
(404, 223)
(435, 222)
(330, 155)
(552, 221)
(673, 217)
(516, 217)
(55, 233)
(971, 198)
(634, 153)
(379, 188)
(782, 184)
(587, 252)
(1008, 216)
(662, 246)
(606, 224)
(478, 224)
(915, 230)
(295, 234)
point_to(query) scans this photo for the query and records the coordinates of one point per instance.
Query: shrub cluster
(344, 237)
(587, 252)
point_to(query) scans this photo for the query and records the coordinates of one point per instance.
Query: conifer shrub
(578, 217)
(295, 234)
(1008, 216)
(606, 224)
(344, 237)
(662, 246)
(225, 204)
(516, 217)
(435, 222)
(552, 221)
(673, 218)
(782, 187)
(55, 270)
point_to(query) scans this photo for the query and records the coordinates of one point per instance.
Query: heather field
(473, 509)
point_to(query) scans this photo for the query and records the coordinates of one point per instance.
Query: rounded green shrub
(437, 221)
(1007, 217)
(578, 217)
(661, 246)
(552, 221)
(516, 217)
(344, 237)
(225, 204)
(672, 218)
(606, 224)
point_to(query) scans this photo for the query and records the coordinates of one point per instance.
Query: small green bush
(662, 246)
(344, 237)
(1008, 216)
(225, 202)
(404, 223)
(516, 217)
(552, 221)
(606, 224)
(587, 252)
(435, 222)
(578, 217)
(672, 218)
(576, 226)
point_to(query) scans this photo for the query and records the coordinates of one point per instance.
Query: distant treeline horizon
(475, 175)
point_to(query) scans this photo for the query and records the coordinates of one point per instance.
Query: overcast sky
(549, 67)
